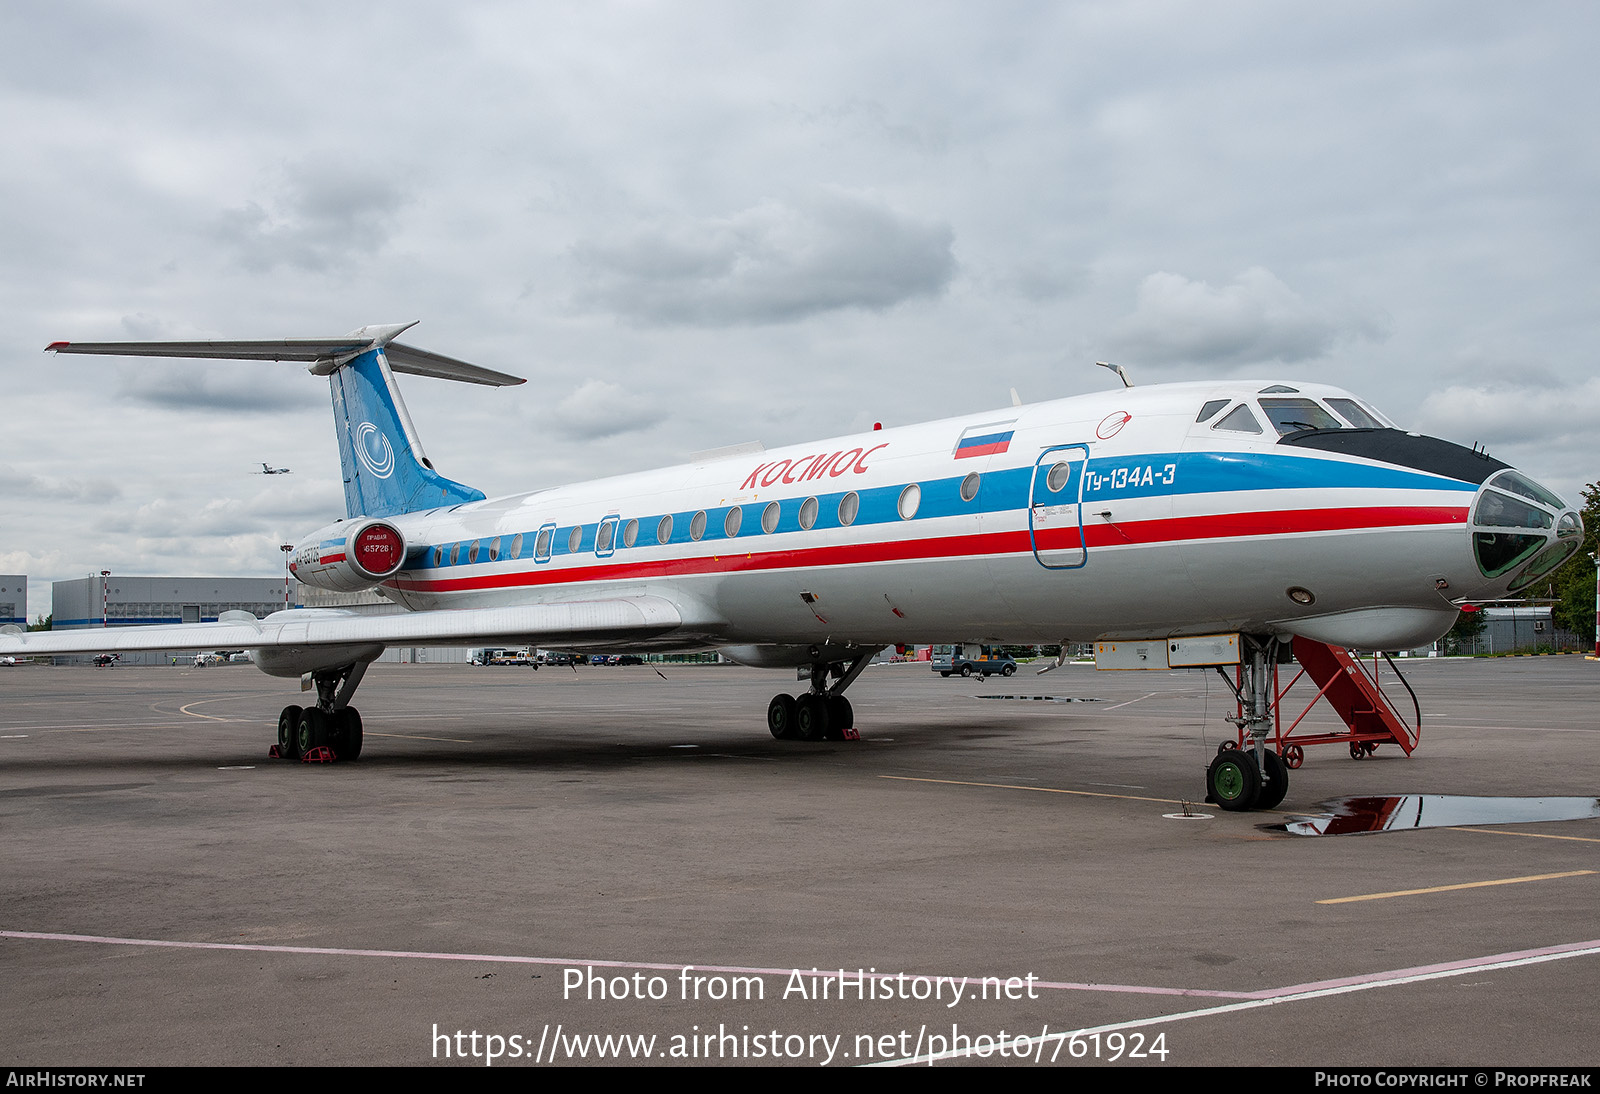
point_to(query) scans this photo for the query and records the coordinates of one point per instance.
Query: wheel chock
(849, 734)
(322, 754)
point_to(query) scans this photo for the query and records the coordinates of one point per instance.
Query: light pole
(105, 598)
(286, 548)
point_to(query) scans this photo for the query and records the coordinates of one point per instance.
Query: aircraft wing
(577, 623)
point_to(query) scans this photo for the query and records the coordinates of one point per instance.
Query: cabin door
(1055, 507)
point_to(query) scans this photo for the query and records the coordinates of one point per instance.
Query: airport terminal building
(116, 601)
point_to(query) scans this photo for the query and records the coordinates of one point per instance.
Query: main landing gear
(329, 731)
(823, 713)
(1254, 777)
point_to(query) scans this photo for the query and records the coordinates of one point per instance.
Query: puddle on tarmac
(1043, 698)
(1347, 816)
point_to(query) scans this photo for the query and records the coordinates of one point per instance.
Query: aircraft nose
(1521, 531)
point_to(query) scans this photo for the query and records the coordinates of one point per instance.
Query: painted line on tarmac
(1295, 994)
(1040, 789)
(573, 962)
(1454, 888)
(1527, 835)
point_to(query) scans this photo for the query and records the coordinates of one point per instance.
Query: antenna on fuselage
(1123, 376)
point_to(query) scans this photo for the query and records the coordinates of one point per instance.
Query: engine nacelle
(350, 555)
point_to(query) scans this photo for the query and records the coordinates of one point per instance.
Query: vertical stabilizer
(385, 470)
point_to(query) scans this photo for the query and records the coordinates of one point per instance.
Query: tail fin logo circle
(373, 450)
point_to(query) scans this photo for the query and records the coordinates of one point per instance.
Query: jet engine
(349, 555)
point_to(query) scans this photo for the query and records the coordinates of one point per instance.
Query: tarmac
(619, 865)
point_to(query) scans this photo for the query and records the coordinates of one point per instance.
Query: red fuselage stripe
(1175, 529)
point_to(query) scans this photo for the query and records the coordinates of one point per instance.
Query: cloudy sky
(694, 224)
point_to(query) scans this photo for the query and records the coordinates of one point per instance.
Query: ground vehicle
(967, 660)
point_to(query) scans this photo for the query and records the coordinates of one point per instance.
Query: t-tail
(385, 469)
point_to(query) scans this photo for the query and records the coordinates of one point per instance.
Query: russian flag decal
(985, 440)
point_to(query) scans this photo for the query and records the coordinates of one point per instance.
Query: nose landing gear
(1254, 777)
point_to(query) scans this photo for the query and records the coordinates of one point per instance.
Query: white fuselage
(1158, 524)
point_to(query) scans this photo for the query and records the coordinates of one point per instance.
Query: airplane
(1215, 520)
(265, 470)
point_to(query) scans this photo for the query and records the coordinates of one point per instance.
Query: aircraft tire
(313, 730)
(811, 717)
(781, 717)
(1276, 783)
(289, 733)
(348, 723)
(1233, 782)
(840, 717)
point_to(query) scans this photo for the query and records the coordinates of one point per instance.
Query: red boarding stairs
(1354, 692)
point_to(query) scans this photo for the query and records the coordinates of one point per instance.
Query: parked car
(968, 660)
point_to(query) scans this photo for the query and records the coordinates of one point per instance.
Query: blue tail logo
(385, 470)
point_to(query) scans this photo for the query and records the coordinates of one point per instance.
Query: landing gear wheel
(840, 717)
(1294, 756)
(288, 733)
(312, 731)
(966, 670)
(811, 717)
(781, 717)
(1226, 746)
(1232, 781)
(1275, 783)
(344, 733)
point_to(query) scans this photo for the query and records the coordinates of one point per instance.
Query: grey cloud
(1512, 412)
(773, 263)
(47, 488)
(192, 387)
(1255, 317)
(599, 408)
(326, 217)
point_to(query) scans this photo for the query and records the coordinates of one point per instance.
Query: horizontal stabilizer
(311, 351)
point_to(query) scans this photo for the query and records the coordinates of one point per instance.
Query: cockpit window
(1355, 414)
(1293, 415)
(1211, 407)
(1519, 484)
(1240, 420)
(1497, 510)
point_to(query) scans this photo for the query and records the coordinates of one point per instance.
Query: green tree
(1573, 584)
(42, 622)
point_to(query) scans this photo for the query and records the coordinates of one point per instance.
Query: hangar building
(13, 600)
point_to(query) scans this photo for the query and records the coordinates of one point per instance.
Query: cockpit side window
(1292, 415)
(1211, 407)
(1239, 420)
(1354, 413)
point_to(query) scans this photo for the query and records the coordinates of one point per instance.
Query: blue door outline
(1052, 511)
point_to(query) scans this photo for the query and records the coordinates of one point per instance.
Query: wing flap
(576, 623)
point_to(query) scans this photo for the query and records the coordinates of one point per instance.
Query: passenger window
(630, 533)
(1239, 420)
(664, 529)
(969, 486)
(697, 525)
(849, 506)
(910, 500)
(731, 522)
(808, 513)
(769, 517)
(602, 537)
(575, 540)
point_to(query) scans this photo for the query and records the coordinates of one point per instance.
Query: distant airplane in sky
(265, 470)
